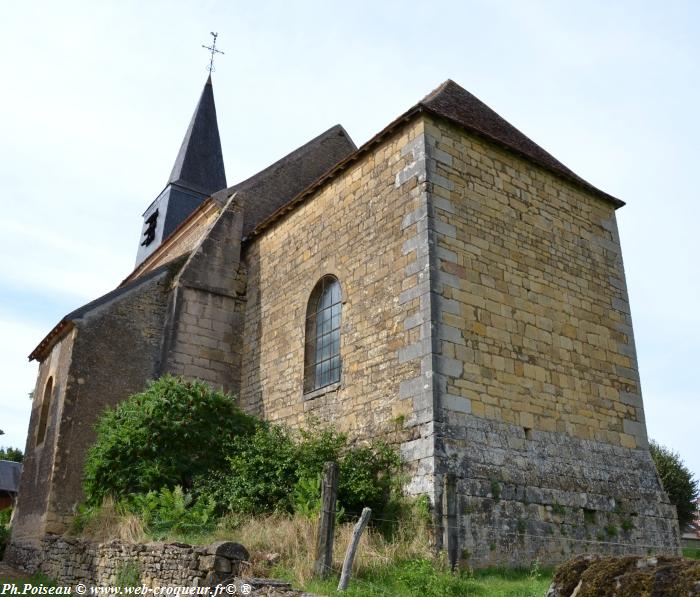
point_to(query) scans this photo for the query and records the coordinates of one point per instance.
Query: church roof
(200, 163)
(67, 323)
(276, 185)
(9, 476)
(456, 105)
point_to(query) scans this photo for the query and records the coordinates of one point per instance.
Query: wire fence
(500, 531)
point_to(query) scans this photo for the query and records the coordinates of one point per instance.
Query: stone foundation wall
(69, 561)
(547, 496)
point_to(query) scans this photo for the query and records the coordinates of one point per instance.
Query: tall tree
(14, 454)
(678, 482)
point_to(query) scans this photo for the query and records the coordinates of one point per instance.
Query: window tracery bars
(322, 349)
(44, 412)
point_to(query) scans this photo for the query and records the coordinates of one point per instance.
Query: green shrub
(315, 448)
(168, 435)
(128, 575)
(183, 434)
(4, 529)
(274, 470)
(306, 499)
(84, 514)
(678, 482)
(260, 476)
(173, 511)
(367, 474)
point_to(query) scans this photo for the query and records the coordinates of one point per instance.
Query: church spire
(200, 164)
(198, 173)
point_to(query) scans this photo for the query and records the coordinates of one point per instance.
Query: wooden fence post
(450, 520)
(352, 548)
(326, 520)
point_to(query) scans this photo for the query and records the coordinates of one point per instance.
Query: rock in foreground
(633, 576)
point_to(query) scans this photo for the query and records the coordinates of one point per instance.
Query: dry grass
(293, 539)
(108, 523)
(274, 540)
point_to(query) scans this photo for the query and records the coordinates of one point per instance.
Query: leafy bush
(168, 435)
(367, 474)
(306, 497)
(261, 473)
(182, 434)
(4, 529)
(168, 511)
(678, 482)
(274, 470)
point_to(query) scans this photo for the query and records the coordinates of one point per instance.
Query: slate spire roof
(200, 164)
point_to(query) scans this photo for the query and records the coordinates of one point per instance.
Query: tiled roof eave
(393, 126)
(44, 347)
(578, 182)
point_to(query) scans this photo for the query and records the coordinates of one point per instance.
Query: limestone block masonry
(362, 229)
(539, 410)
(70, 560)
(88, 374)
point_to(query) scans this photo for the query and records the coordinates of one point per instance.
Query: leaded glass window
(322, 350)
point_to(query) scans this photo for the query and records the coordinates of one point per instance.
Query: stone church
(448, 286)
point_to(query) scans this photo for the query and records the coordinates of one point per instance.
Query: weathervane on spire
(213, 51)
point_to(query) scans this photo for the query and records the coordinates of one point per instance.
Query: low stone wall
(70, 561)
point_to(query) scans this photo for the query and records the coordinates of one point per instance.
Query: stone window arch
(44, 412)
(322, 363)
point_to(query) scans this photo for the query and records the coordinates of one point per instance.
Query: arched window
(44, 413)
(322, 348)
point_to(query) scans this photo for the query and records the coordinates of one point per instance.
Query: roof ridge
(293, 154)
(461, 107)
(543, 160)
(437, 90)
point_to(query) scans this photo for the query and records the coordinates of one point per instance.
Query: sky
(96, 97)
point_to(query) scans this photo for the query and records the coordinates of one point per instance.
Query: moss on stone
(630, 576)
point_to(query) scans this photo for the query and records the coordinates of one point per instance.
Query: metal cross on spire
(213, 50)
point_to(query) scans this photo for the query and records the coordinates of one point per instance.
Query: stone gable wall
(538, 322)
(38, 465)
(112, 352)
(540, 412)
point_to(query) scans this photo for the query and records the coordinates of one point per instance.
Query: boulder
(629, 576)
